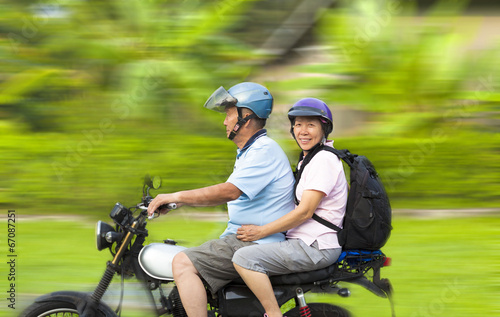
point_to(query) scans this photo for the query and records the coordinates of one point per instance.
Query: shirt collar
(250, 141)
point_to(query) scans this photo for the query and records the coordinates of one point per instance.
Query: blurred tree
(428, 103)
(87, 88)
(156, 56)
(406, 70)
(94, 94)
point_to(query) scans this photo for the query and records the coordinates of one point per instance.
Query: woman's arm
(305, 210)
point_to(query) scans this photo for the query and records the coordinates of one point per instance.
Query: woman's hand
(250, 233)
(305, 210)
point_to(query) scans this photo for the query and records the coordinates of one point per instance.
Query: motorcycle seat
(297, 278)
(348, 257)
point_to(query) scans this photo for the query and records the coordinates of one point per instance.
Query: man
(259, 191)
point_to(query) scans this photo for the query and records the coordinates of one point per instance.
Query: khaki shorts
(213, 260)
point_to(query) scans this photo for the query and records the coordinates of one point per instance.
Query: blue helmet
(254, 97)
(244, 95)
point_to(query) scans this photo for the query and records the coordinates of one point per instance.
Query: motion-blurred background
(96, 94)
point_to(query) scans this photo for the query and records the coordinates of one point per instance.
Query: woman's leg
(260, 285)
(255, 263)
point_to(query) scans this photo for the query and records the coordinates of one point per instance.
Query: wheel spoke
(60, 312)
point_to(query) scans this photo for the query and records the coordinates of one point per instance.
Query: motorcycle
(151, 265)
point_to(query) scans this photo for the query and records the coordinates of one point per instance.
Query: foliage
(394, 61)
(428, 173)
(96, 94)
(93, 95)
(121, 59)
(429, 102)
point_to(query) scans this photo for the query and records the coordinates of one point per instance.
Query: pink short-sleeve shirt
(324, 173)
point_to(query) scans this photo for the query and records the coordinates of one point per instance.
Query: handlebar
(169, 206)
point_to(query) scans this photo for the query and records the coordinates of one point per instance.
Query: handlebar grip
(172, 206)
(169, 206)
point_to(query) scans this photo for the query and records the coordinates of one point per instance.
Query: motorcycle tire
(53, 309)
(320, 310)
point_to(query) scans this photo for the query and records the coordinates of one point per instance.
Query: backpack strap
(344, 155)
(298, 173)
(325, 222)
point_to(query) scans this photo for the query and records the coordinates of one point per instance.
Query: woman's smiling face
(308, 132)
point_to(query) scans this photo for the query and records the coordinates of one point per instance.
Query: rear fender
(369, 285)
(81, 301)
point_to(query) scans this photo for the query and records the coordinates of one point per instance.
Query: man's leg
(191, 288)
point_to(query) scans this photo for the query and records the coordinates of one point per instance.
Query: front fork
(111, 269)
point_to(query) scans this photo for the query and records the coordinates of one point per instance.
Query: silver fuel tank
(156, 260)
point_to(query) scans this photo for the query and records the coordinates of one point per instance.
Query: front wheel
(50, 309)
(67, 304)
(320, 310)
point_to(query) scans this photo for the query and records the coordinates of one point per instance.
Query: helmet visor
(220, 100)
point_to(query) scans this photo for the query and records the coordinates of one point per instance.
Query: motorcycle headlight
(104, 230)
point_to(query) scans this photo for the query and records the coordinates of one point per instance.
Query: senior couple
(267, 234)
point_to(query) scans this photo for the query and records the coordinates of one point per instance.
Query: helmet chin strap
(241, 122)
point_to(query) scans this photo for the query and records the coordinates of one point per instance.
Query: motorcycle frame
(235, 297)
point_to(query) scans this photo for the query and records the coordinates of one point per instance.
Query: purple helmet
(312, 107)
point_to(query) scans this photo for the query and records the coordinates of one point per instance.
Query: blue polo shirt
(262, 172)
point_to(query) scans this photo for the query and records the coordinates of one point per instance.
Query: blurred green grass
(440, 267)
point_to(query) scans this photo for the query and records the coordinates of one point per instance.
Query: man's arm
(207, 196)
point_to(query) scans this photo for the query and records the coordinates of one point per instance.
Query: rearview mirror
(151, 182)
(156, 182)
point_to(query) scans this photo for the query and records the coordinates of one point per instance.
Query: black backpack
(367, 221)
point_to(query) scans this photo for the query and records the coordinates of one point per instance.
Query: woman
(322, 189)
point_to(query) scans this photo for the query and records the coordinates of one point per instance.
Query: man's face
(231, 119)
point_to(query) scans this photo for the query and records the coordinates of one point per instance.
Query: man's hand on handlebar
(162, 204)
